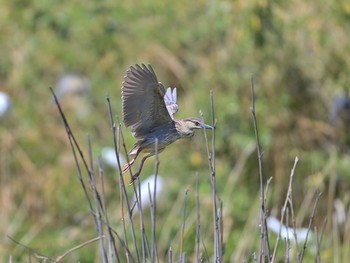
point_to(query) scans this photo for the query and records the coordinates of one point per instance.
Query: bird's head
(196, 123)
(187, 126)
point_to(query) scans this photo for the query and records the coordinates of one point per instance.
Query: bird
(340, 121)
(149, 110)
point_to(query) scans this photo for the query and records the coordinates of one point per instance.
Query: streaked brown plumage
(148, 109)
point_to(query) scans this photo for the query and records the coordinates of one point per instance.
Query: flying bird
(149, 110)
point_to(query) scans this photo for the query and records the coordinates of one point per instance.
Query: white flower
(5, 103)
(148, 186)
(109, 158)
(287, 232)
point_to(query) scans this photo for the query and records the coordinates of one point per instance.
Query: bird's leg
(134, 177)
(127, 166)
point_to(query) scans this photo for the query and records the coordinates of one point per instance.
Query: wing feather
(170, 99)
(143, 101)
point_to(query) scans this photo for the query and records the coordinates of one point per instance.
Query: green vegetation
(299, 55)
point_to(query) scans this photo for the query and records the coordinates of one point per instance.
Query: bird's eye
(197, 123)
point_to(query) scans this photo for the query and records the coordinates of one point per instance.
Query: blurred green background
(298, 53)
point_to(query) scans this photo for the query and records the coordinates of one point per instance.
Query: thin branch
(30, 250)
(96, 195)
(264, 244)
(111, 241)
(154, 253)
(170, 255)
(59, 259)
(287, 239)
(284, 208)
(123, 193)
(183, 227)
(198, 223)
(221, 240)
(319, 240)
(73, 143)
(211, 162)
(309, 227)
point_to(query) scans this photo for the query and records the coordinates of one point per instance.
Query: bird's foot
(133, 178)
(126, 168)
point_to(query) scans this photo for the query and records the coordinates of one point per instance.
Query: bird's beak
(206, 126)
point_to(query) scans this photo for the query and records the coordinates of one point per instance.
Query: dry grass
(129, 243)
(299, 55)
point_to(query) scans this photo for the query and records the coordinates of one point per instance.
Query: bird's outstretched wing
(170, 99)
(143, 101)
